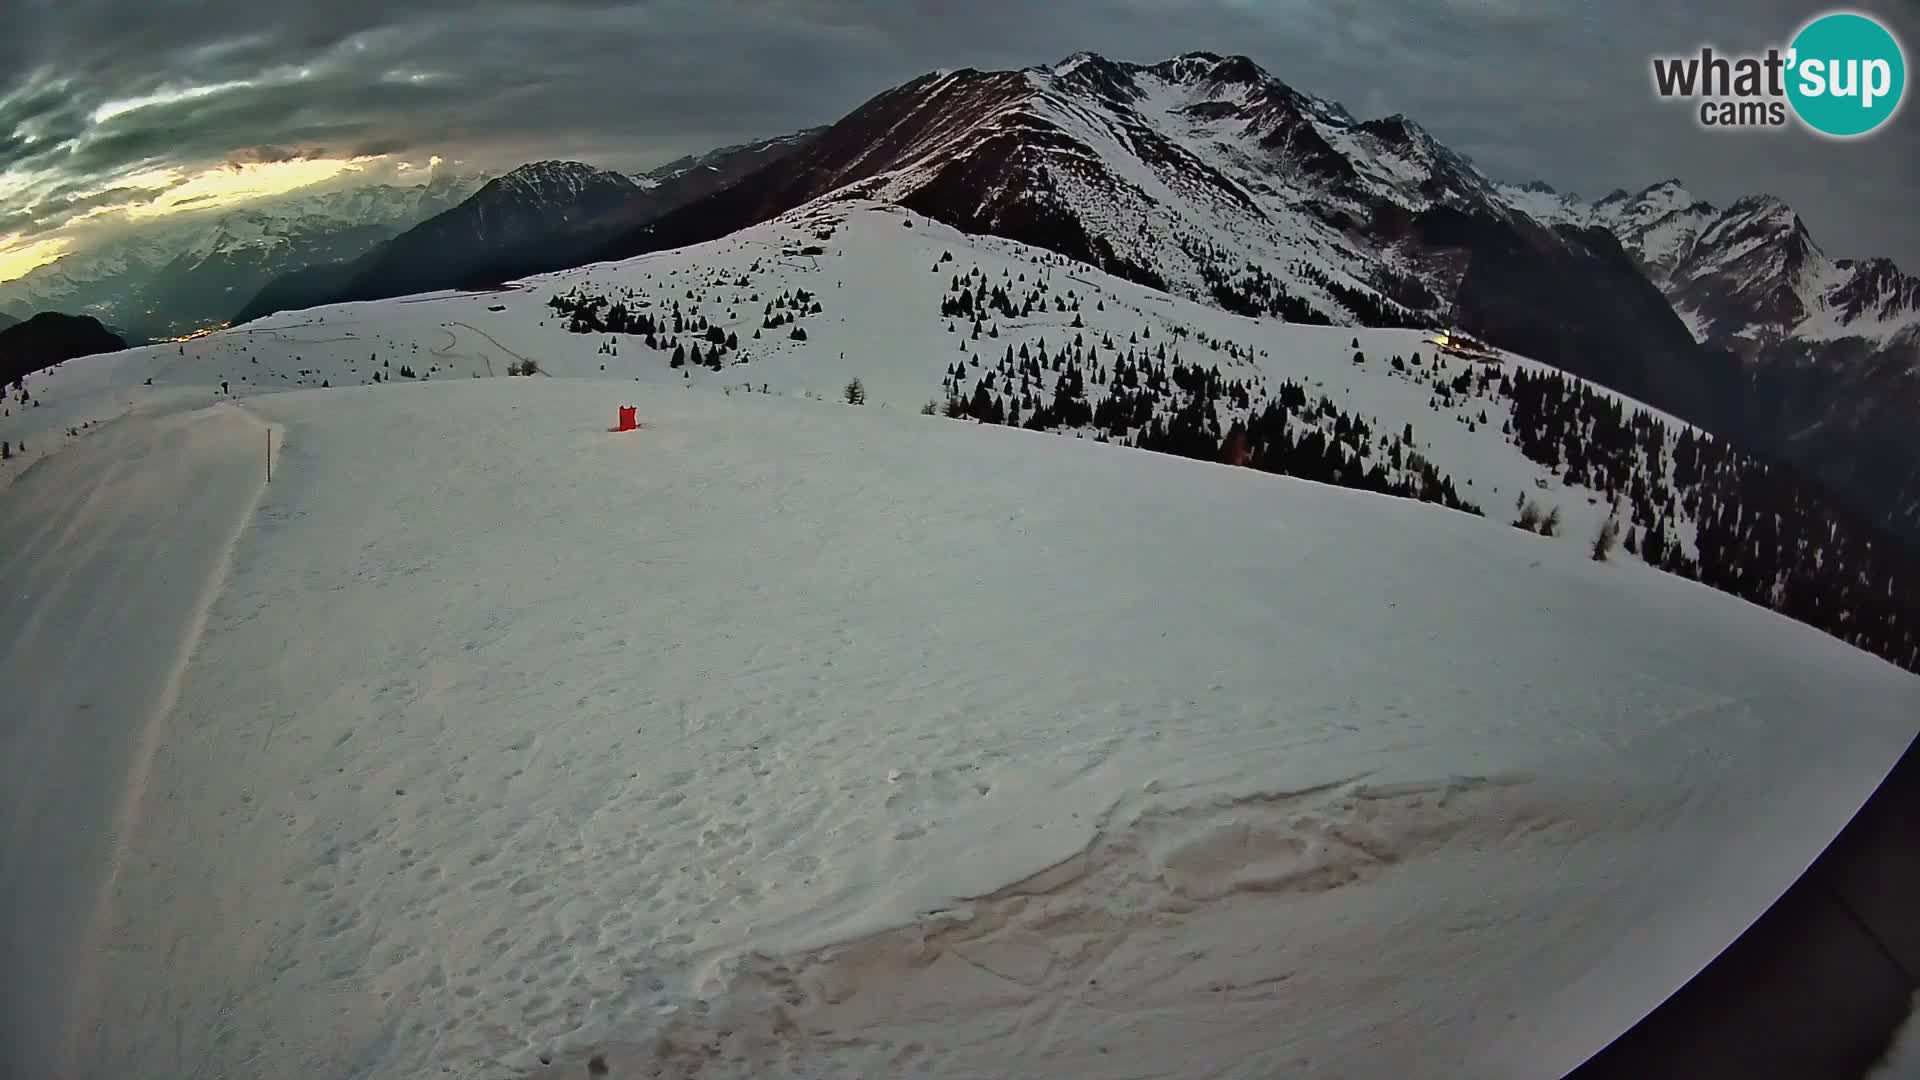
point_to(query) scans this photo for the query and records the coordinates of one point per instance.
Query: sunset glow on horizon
(19, 256)
(182, 191)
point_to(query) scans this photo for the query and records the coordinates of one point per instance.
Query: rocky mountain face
(182, 273)
(542, 216)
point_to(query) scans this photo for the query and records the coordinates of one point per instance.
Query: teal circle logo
(1847, 74)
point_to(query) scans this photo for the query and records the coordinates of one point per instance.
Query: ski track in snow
(112, 554)
(781, 738)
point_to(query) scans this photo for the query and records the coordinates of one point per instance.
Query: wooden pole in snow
(269, 455)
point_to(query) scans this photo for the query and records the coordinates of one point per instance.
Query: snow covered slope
(726, 747)
(784, 737)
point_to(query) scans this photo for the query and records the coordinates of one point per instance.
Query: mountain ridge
(49, 338)
(176, 275)
(543, 215)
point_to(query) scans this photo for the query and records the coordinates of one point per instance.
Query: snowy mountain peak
(1067, 66)
(1662, 198)
(1541, 202)
(1770, 208)
(554, 167)
(1407, 137)
(1613, 198)
(1212, 70)
(563, 179)
(1749, 276)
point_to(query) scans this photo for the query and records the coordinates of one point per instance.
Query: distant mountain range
(48, 339)
(1826, 367)
(189, 271)
(547, 215)
(1747, 276)
(185, 272)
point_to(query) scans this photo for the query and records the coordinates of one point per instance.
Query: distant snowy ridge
(1827, 350)
(1747, 272)
(540, 216)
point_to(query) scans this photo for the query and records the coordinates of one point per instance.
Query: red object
(628, 418)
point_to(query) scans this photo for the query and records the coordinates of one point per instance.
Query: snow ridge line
(126, 817)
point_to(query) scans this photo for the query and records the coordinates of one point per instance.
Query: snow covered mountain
(1750, 275)
(188, 271)
(541, 216)
(1825, 367)
(1088, 762)
(539, 207)
(1207, 177)
(1203, 175)
(563, 191)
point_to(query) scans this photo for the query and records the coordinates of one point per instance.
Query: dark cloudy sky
(107, 103)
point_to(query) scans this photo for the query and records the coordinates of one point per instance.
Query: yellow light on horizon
(179, 191)
(20, 257)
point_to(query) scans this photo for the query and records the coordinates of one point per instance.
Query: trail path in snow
(99, 615)
(483, 356)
